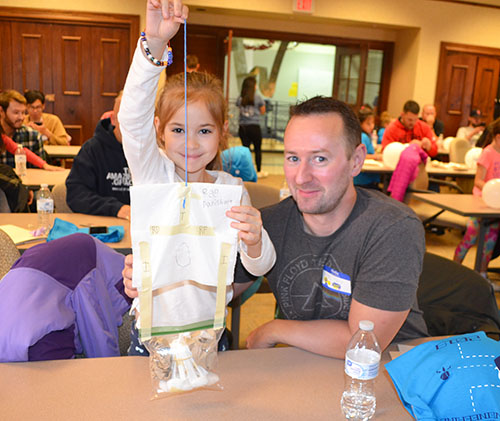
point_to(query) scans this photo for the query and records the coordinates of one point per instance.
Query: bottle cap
(366, 324)
(44, 186)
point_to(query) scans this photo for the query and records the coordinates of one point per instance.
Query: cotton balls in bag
(391, 154)
(472, 156)
(491, 193)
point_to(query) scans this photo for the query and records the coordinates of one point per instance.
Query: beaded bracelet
(155, 61)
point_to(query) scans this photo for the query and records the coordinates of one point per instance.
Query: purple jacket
(62, 298)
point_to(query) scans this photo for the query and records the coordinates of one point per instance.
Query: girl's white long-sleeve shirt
(149, 165)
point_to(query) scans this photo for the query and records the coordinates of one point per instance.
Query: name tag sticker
(336, 281)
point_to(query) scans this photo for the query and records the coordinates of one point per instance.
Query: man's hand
(124, 212)
(41, 128)
(263, 336)
(49, 167)
(426, 144)
(249, 226)
(31, 195)
(127, 277)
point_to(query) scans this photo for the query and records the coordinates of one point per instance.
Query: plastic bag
(184, 257)
(184, 361)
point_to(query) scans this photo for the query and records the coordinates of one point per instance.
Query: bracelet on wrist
(155, 61)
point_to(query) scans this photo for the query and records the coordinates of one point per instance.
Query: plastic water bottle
(20, 158)
(45, 209)
(362, 361)
(374, 138)
(284, 191)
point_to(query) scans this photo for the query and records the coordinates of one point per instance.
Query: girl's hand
(250, 227)
(163, 18)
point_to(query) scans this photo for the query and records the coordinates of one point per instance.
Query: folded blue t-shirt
(62, 228)
(457, 378)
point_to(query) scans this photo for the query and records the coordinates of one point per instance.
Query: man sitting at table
(409, 129)
(473, 131)
(49, 125)
(344, 254)
(99, 180)
(12, 113)
(429, 116)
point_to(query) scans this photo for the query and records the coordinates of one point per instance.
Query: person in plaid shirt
(12, 113)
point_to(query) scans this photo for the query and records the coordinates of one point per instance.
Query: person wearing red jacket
(409, 129)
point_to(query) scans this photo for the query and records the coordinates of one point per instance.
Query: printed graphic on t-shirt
(302, 295)
(470, 362)
(120, 181)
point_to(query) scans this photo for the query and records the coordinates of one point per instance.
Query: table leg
(480, 243)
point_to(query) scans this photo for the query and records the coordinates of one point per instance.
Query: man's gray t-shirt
(379, 247)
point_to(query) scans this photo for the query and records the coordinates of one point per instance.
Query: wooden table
(35, 177)
(465, 205)
(61, 151)
(267, 384)
(29, 221)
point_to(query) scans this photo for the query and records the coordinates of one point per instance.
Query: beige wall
(416, 26)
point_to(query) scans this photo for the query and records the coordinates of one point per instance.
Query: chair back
(421, 182)
(59, 196)
(262, 195)
(8, 253)
(455, 299)
(458, 149)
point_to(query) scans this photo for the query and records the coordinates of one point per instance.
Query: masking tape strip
(179, 284)
(220, 301)
(166, 230)
(146, 292)
(186, 194)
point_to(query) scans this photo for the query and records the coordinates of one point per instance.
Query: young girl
(488, 167)
(251, 106)
(367, 121)
(145, 132)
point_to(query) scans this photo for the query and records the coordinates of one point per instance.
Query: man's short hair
(192, 61)
(10, 95)
(411, 107)
(33, 95)
(325, 105)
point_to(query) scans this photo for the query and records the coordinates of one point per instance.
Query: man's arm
(57, 134)
(328, 337)
(390, 135)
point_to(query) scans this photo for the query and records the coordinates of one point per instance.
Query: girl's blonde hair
(201, 86)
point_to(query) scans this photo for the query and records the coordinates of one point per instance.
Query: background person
(472, 132)
(429, 116)
(192, 63)
(12, 113)
(409, 129)
(99, 180)
(251, 107)
(49, 125)
(367, 121)
(488, 167)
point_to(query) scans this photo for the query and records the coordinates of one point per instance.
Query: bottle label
(362, 364)
(45, 205)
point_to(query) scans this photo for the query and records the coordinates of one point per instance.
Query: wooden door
(454, 90)
(486, 85)
(207, 43)
(78, 59)
(349, 76)
(32, 58)
(72, 73)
